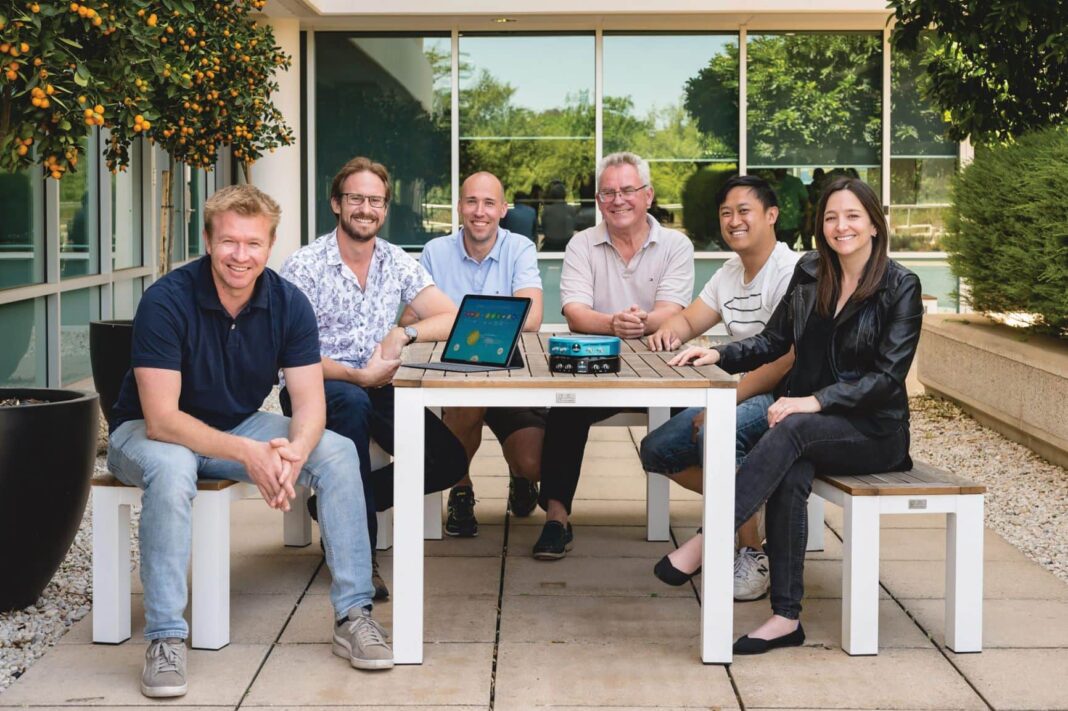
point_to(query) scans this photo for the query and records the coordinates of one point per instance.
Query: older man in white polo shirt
(625, 277)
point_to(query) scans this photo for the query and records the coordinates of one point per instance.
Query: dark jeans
(566, 432)
(780, 469)
(363, 415)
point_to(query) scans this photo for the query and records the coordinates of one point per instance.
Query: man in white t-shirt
(742, 294)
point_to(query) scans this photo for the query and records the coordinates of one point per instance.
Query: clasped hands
(629, 323)
(274, 467)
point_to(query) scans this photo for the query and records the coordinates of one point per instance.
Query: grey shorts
(505, 421)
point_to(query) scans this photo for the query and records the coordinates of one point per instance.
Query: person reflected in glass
(586, 216)
(557, 218)
(853, 317)
(520, 217)
(793, 198)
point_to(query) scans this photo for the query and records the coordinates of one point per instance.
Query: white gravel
(1027, 503)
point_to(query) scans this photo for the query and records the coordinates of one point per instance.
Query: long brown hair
(830, 269)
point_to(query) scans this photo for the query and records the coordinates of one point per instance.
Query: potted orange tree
(192, 78)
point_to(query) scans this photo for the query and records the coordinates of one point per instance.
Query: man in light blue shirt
(484, 258)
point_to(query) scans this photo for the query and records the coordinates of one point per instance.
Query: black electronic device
(584, 365)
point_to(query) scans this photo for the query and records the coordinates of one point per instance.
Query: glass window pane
(125, 295)
(673, 99)
(126, 248)
(79, 226)
(22, 349)
(77, 308)
(814, 102)
(922, 160)
(195, 226)
(21, 228)
(387, 97)
(527, 116)
(179, 215)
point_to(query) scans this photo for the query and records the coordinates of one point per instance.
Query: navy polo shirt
(228, 365)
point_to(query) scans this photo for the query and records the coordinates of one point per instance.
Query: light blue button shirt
(511, 265)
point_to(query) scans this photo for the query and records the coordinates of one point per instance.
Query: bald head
(482, 207)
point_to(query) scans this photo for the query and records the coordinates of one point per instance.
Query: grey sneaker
(362, 641)
(164, 674)
(751, 578)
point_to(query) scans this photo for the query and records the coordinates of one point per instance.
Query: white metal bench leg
(111, 564)
(432, 530)
(815, 523)
(211, 570)
(657, 490)
(860, 575)
(296, 523)
(379, 459)
(964, 575)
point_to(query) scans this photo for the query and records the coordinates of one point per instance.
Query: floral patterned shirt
(353, 320)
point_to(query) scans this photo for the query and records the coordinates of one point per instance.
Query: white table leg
(657, 490)
(408, 514)
(296, 523)
(860, 575)
(111, 565)
(211, 570)
(717, 580)
(815, 523)
(964, 575)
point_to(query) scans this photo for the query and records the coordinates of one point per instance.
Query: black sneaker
(381, 591)
(554, 541)
(522, 496)
(461, 520)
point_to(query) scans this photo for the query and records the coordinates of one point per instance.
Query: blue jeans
(168, 474)
(670, 449)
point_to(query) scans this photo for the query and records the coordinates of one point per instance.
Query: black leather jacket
(872, 347)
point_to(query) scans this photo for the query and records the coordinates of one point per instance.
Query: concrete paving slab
(254, 619)
(452, 618)
(271, 573)
(620, 513)
(1007, 624)
(442, 576)
(822, 619)
(600, 433)
(628, 577)
(620, 467)
(925, 544)
(617, 674)
(377, 707)
(594, 542)
(310, 675)
(1018, 678)
(169, 704)
(611, 449)
(823, 579)
(1001, 580)
(487, 466)
(487, 544)
(603, 620)
(109, 676)
(814, 677)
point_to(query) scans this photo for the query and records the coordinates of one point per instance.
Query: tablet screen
(486, 329)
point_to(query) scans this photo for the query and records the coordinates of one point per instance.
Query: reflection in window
(77, 308)
(387, 97)
(527, 116)
(814, 112)
(673, 100)
(126, 214)
(79, 246)
(194, 226)
(22, 349)
(125, 295)
(21, 228)
(922, 160)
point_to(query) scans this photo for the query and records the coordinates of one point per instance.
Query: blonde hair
(245, 200)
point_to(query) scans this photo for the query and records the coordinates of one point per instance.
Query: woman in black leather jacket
(853, 317)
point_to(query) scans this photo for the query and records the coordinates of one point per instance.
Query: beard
(346, 228)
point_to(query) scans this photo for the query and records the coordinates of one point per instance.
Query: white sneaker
(751, 578)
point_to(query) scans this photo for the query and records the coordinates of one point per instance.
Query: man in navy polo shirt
(208, 340)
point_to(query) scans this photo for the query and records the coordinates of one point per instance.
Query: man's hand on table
(664, 340)
(629, 323)
(379, 370)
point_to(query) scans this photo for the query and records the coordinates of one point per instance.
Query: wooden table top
(639, 368)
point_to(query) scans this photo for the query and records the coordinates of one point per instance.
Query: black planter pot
(47, 453)
(109, 356)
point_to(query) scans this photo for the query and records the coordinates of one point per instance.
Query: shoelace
(166, 656)
(368, 631)
(744, 563)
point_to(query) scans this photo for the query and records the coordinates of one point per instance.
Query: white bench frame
(860, 563)
(210, 594)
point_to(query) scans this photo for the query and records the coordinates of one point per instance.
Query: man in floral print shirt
(356, 284)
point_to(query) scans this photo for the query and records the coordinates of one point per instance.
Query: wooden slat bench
(210, 556)
(924, 489)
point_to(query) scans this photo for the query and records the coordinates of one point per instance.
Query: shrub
(1009, 229)
(700, 214)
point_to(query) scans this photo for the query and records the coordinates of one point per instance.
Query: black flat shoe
(671, 575)
(752, 645)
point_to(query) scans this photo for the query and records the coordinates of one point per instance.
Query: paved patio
(594, 630)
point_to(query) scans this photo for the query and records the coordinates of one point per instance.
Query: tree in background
(997, 68)
(188, 76)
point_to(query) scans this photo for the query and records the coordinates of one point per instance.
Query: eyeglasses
(627, 193)
(356, 199)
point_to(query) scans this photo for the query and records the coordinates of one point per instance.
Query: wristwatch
(411, 333)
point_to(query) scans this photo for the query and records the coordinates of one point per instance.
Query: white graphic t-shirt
(746, 308)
